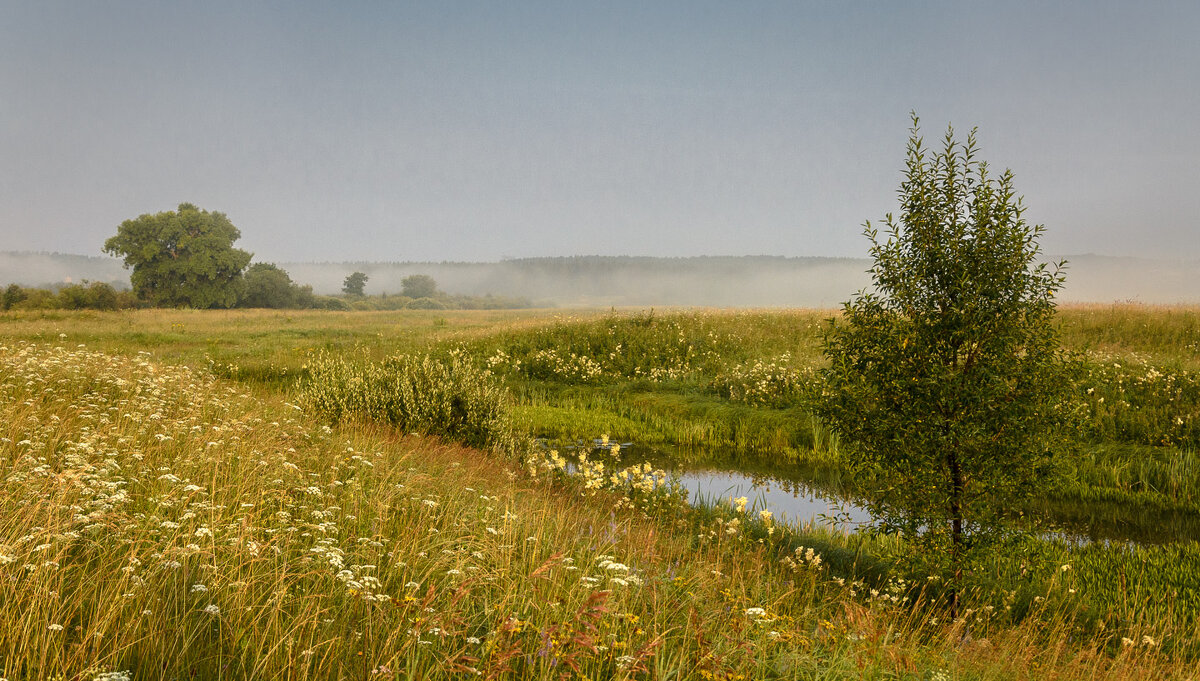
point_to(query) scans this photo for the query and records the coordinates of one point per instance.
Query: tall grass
(742, 389)
(690, 346)
(158, 522)
(446, 397)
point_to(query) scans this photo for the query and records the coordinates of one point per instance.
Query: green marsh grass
(158, 520)
(743, 367)
(80, 462)
(446, 396)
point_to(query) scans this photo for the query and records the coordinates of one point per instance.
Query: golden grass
(157, 521)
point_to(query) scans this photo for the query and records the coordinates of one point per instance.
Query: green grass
(158, 520)
(97, 508)
(714, 395)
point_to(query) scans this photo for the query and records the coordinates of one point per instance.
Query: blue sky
(476, 131)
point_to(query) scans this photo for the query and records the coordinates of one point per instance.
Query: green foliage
(447, 397)
(948, 379)
(96, 295)
(774, 382)
(182, 258)
(442, 301)
(1135, 400)
(418, 286)
(330, 303)
(354, 284)
(425, 304)
(266, 285)
(644, 346)
(13, 294)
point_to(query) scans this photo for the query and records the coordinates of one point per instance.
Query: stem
(956, 529)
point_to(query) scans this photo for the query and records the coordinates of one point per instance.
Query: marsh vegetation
(173, 500)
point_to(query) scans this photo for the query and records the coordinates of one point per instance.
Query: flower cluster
(770, 383)
(1132, 399)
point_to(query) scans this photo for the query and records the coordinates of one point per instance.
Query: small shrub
(447, 397)
(425, 304)
(330, 303)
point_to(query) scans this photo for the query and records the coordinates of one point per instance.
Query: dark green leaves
(182, 258)
(948, 377)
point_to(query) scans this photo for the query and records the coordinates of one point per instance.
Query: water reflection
(794, 494)
(801, 494)
(789, 500)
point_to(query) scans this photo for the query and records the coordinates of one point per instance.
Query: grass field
(174, 506)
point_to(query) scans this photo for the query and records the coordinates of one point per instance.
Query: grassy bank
(727, 380)
(155, 518)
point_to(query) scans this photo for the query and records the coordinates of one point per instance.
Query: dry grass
(155, 520)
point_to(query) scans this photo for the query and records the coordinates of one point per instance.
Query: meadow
(306, 494)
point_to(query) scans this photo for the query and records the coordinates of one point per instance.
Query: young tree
(354, 284)
(948, 379)
(418, 286)
(182, 258)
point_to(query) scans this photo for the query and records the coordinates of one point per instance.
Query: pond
(801, 495)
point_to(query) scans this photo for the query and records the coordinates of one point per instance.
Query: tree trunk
(956, 529)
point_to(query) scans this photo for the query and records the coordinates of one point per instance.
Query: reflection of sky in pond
(802, 496)
(797, 506)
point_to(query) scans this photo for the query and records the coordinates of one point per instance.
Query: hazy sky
(475, 131)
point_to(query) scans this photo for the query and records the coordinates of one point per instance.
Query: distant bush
(419, 286)
(94, 296)
(439, 301)
(447, 397)
(85, 296)
(330, 303)
(267, 285)
(13, 294)
(380, 302)
(488, 302)
(426, 304)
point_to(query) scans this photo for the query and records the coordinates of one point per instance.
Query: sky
(476, 131)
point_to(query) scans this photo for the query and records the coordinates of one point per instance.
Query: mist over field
(718, 281)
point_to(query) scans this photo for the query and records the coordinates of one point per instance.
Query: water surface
(802, 495)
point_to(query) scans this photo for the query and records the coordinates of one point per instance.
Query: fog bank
(719, 281)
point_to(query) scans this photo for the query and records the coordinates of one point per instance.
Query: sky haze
(478, 131)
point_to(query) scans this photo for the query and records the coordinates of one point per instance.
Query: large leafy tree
(182, 258)
(948, 378)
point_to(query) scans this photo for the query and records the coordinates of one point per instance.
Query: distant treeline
(84, 296)
(440, 301)
(105, 296)
(720, 281)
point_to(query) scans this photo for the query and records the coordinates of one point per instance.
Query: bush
(330, 303)
(1134, 400)
(449, 398)
(419, 286)
(37, 299)
(94, 296)
(13, 295)
(426, 304)
(266, 285)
